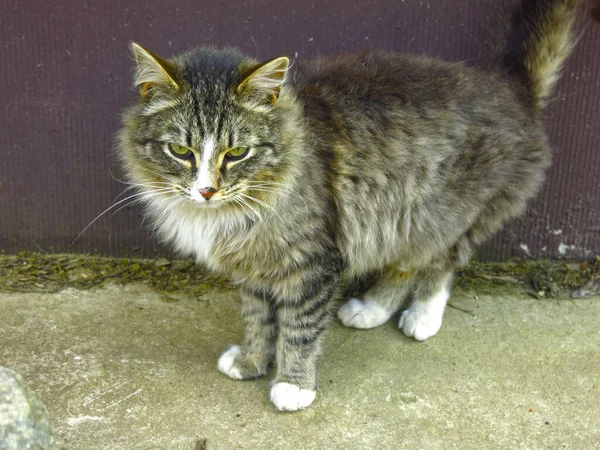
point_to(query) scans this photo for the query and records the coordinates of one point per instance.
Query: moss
(35, 272)
(539, 278)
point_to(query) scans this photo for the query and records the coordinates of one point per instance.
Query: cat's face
(206, 130)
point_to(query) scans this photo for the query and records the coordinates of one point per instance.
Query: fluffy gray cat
(293, 180)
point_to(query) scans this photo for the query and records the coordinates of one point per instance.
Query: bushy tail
(541, 40)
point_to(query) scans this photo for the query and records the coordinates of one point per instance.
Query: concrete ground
(121, 368)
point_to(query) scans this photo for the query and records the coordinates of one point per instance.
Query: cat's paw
(237, 364)
(289, 397)
(363, 314)
(420, 322)
(227, 364)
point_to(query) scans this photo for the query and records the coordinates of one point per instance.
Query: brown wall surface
(65, 74)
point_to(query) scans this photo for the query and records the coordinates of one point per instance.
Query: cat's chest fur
(260, 253)
(195, 233)
(190, 235)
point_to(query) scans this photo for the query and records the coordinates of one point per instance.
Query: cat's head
(208, 130)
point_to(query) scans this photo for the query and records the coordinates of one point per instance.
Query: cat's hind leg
(254, 358)
(423, 318)
(380, 303)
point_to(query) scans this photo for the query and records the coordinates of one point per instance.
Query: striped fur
(545, 39)
(330, 170)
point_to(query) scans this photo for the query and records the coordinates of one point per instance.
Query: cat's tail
(540, 41)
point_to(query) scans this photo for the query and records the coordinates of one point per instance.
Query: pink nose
(207, 192)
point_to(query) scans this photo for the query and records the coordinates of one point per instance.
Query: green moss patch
(35, 272)
(538, 278)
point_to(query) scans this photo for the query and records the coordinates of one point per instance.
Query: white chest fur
(191, 230)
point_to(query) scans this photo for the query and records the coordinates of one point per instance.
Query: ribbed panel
(65, 76)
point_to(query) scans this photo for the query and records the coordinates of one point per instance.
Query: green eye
(180, 151)
(237, 153)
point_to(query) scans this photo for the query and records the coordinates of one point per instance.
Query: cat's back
(378, 79)
(416, 147)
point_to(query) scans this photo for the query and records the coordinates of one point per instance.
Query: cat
(293, 179)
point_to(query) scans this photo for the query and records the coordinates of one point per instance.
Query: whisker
(160, 175)
(238, 202)
(260, 202)
(152, 183)
(264, 183)
(264, 189)
(105, 211)
(245, 203)
(149, 195)
(113, 177)
(167, 209)
(132, 186)
(266, 186)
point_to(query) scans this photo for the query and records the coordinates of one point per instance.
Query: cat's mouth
(217, 199)
(243, 200)
(206, 197)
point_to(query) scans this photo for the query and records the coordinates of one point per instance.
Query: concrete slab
(119, 367)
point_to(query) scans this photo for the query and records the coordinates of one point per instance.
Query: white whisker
(265, 189)
(260, 202)
(264, 183)
(245, 203)
(160, 175)
(165, 212)
(149, 195)
(107, 210)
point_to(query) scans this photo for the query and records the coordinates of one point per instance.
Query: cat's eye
(179, 150)
(237, 153)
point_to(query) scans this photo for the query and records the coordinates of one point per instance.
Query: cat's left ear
(263, 84)
(154, 74)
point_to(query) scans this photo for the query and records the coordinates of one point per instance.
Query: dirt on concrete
(131, 364)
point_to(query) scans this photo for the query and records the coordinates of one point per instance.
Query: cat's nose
(207, 192)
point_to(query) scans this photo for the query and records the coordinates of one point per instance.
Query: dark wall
(65, 73)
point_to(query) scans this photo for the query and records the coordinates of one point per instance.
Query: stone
(24, 420)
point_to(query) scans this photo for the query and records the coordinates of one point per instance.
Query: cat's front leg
(253, 359)
(301, 322)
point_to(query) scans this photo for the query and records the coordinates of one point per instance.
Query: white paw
(226, 363)
(424, 319)
(419, 324)
(363, 314)
(289, 397)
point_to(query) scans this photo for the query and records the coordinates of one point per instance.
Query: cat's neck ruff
(193, 230)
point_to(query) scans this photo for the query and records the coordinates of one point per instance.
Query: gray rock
(24, 420)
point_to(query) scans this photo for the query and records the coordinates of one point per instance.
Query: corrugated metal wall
(66, 74)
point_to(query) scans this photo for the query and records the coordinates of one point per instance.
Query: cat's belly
(368, 246)
(376, 249)
(409, 238)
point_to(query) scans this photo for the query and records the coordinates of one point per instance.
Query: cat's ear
(263, 82)
(154, 74)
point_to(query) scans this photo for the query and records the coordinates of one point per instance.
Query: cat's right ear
(154, 74)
